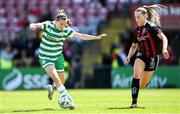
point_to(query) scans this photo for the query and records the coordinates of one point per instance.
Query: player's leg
(45, 65)
(139, 66)
(49, 67)
(146, 76)
(51, 71)
(59, 64)
(51, 87)
(61, 76)
(151, 65)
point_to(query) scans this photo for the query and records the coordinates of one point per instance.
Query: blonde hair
(153, 15)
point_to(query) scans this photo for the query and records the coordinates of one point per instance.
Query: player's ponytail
(69, 22)
(61, 11)
(153, 15)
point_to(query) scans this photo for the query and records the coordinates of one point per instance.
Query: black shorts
(151, 63)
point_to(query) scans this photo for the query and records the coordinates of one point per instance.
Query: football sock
(62, 90)
(135, 90)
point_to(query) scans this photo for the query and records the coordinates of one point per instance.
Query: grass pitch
(95, 101)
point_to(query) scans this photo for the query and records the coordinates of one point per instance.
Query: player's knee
(137, 73)
(136, 76)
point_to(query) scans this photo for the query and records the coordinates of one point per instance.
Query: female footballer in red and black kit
(147, 42)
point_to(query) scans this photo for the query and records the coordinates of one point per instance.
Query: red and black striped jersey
(149, 44)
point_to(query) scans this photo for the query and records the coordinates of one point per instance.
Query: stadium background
(89, 64)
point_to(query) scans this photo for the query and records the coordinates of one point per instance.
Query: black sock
(135, 90)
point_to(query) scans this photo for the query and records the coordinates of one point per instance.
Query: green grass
(99, 101)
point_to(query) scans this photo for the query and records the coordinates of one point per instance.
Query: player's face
(62, 23)
(61, 20)
(140, 18)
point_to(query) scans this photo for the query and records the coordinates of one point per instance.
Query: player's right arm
(131, 52)
(35, 26)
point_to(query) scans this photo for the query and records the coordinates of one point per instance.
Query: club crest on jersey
(142, 38)
(152, 58)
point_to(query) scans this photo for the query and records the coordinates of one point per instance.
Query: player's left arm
(88, 37)
(165, 44)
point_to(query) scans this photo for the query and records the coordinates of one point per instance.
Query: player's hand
(127, 60)
(100, 36)
(32, 26)
(166, 54)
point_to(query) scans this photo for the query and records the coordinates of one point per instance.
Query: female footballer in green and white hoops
(50, 52)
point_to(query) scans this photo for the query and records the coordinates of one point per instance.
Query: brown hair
(151, 12)
(62, 15)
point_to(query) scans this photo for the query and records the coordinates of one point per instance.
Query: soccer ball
(65, 101)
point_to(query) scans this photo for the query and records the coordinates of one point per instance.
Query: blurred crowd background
(19, 45)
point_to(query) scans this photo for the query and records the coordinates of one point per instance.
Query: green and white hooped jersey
(53, 40)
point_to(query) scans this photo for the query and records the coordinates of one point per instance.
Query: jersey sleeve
(156, 29)
(71, 32)
(44, 25)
